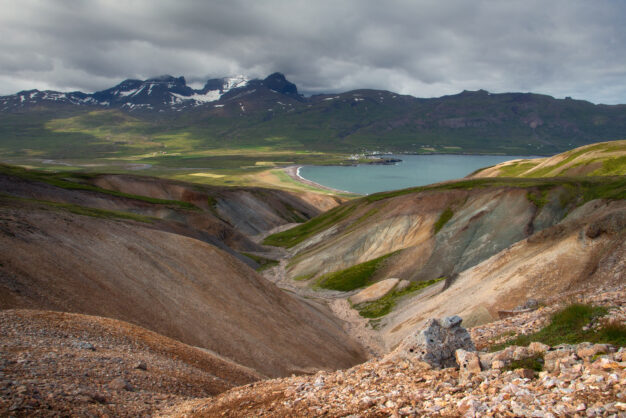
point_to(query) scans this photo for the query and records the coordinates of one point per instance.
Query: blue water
(414, 170)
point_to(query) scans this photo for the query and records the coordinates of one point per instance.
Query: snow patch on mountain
(235, 82)
(209, 96)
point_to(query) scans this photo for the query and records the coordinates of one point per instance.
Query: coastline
(293, 171)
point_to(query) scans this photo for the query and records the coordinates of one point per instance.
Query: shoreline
(293, 171)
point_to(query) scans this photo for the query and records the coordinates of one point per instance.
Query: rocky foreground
(577, 380)
(60, 364)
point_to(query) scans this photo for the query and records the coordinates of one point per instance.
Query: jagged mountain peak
(164, 92)
(166, 78)
(279, 83)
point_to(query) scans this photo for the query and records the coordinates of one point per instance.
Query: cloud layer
(425, 48)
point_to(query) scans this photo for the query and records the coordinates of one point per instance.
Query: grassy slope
(602, 159)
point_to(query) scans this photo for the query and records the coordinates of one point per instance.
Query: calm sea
(414, 170)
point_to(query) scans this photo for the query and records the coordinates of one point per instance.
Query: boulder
(375, 291)
(538, 348)
(587, 350)
(437, 343)
(469, 363)
(562, 355)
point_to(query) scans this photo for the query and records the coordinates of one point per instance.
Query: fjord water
(414, 170)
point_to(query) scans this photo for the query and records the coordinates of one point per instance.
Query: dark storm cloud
(424, 48)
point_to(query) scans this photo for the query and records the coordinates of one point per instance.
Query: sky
(426, 48)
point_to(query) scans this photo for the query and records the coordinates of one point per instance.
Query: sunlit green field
(601, 159)
(116, 142)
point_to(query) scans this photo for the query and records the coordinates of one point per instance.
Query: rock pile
(585, 380)
(437, 343)
(570, 386)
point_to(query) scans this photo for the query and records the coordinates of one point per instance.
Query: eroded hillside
(471, 247)
(166, 265)
(178, 260)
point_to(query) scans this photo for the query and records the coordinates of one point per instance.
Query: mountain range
(159, 93)
(271, 112)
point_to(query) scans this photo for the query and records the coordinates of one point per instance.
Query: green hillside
(602, 159)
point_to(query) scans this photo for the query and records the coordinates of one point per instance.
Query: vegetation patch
(294, 236)
(612, 167)
(445, 216)
(85, 211)
(353, 277)
(362, 219)
(590, 187)
(516, 169)
(538, 198)
(533, 363)
(384, 305)
(264, 263)
(566, 327)
(74, 181)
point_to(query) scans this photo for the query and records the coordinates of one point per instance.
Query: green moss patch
(538, 198)
(294, 236)
(303, 277)
(533, 363)
(445, 216)
(384, 305)
(353, 277)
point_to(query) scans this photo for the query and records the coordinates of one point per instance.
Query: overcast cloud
(424, 48)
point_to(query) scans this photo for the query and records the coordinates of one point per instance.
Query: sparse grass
(445, 216)
(591, 187)
(264, 263)
(516, 169)
(353, 277)
(74, 181)
(384, 305)
(362, 219)
(303, 277)
(99, 213)
(533, 363)
(612, 167)
(538, 198)
(566, 327)
(85, 211)
(296, 235)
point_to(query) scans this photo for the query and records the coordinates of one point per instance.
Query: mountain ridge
(166, 115)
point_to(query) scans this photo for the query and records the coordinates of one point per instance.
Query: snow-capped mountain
(159, 93)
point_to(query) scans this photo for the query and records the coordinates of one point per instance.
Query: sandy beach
(293, 172)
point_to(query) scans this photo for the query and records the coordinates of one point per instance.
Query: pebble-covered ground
(381, 388)
(54, 364)
(57, 364)
(585, 385)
